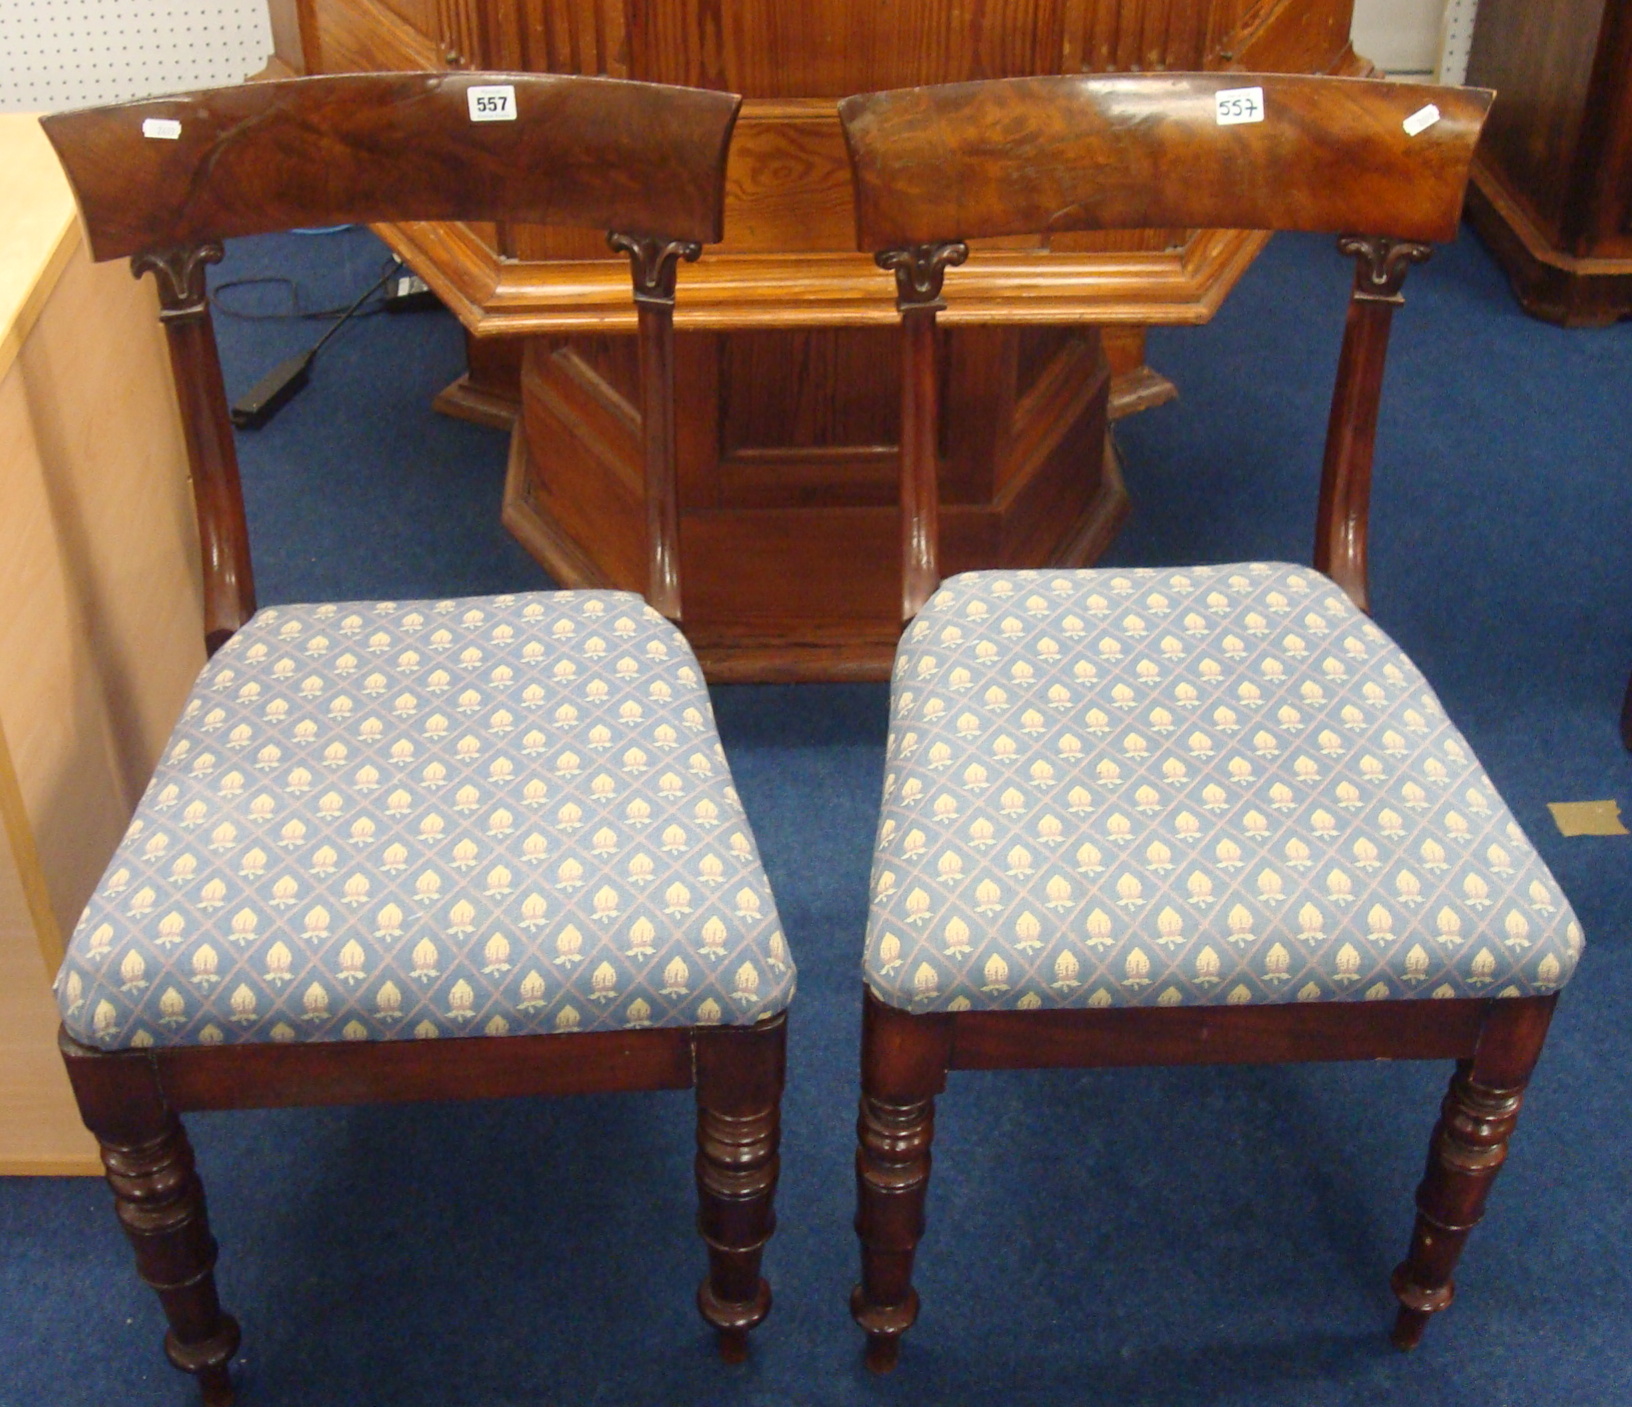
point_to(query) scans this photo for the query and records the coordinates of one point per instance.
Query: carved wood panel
(787, 407)
(777, 49)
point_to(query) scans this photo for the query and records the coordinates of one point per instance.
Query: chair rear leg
(739, 1111)
(904, 1060)
(1468, 1148)
(160, 1203)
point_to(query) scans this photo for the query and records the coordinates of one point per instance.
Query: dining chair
(422, 850)
(1162, 817)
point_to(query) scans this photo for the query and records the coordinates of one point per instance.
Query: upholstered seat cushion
(1216, 785)
(501, 815)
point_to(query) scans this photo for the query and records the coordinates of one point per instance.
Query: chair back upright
(1382, 165)
(165, 181)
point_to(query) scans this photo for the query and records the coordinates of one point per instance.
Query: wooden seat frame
(647, 164)
(934, 167)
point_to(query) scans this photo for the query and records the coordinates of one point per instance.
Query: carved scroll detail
(919, 271)
(178, 272)
(1381, 265)
(654, 261)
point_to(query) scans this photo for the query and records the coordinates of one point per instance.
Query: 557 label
(1238, 105)
(492, 102)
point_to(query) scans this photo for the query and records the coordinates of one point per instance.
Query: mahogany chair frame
(646, 163)
(934, 167)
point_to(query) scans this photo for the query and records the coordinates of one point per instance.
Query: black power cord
(279, 386)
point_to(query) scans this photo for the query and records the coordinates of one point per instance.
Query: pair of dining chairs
(489, 847)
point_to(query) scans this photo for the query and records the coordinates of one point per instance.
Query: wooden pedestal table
(100, 614)
(787, 395)
(787, 433)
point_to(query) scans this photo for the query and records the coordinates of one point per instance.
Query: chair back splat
(165, 181)
(935, 167)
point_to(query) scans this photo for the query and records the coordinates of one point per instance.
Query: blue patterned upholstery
(1220, 785)
(502, 815)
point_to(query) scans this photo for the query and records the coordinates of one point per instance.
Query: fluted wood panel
(773, 49)
(776, 49)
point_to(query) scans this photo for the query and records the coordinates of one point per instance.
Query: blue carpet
(1170, 1237)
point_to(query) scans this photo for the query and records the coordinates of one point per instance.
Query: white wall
(76, 53)
(1416, 36)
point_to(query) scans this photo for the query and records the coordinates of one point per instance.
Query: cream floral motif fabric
(502, 815)
(1172, 788)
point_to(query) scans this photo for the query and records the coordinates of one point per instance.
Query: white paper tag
(1421, 120)
(492, 102)
(1238, 105)
(166, 129)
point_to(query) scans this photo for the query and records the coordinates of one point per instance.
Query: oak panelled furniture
(381, 826)
(1552, 179)
(1164, 817)
(787, 431)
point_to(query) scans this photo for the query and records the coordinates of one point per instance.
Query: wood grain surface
(1032, 155)
(596, 153)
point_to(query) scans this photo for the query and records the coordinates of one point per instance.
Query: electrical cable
(296, 312)
(279, 386)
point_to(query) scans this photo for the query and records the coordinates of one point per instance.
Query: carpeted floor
(1170, 1237)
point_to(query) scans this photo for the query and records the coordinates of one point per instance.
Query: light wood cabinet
(100, 616)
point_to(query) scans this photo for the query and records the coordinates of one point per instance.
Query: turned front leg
(739, 1102)
(1468, 1148)
(160, 1204)
(904, 1060)
(892, 1181)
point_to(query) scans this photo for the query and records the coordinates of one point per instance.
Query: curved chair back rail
(1147, 151)
(599, 153)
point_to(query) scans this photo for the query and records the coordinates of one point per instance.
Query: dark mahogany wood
(919, 274)
(160, 1204)
(592, 153)
(1343, 517)
(218, 495)
(1144, 151)
(647, 166)
(1215, 1035)
(935, 167)
(905, 1060)
(740, 1072)
(383, 1072)
(1468, 1149)
(131, 1101)
(654, 263)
